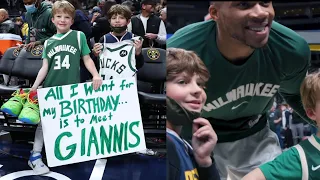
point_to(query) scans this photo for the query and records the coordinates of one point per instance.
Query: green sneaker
(30, 113)
(15, 104)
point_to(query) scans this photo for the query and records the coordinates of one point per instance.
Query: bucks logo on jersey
(63, 54)
(117, 60)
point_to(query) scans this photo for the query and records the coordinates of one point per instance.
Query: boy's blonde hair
(183, 61)
(63, 6)
(310, 91)
(121, 10)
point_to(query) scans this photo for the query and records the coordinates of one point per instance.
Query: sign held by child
(82, 124)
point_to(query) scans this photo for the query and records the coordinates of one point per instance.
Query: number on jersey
(104, 77)
(64, 64)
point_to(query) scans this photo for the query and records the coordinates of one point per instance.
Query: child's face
(62, 21)
(118, 21)
(19, 23)
(187, 91)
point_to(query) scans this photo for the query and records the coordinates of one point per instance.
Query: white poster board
(80, 124)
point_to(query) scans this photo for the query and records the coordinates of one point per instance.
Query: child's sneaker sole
(8, 111)
(28, 121)
(37, 173)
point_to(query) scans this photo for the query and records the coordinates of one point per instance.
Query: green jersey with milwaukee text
(301, 162)
(63, 52)
(238, 96)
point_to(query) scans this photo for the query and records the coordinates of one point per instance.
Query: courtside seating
(24, 65)
(28, 63)
(151, 96)
(6, 65)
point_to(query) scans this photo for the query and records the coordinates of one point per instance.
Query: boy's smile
(187, 91)
(62, 21)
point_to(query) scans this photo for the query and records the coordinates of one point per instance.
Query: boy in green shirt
(303, 160)
(61, 66)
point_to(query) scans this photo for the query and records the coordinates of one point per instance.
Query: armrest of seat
(150, 98)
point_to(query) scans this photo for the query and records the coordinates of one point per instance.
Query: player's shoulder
(287, 42)
(192, 36)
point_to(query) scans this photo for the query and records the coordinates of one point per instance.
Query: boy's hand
(33, 88)
(97, 47)
(204, 140)
(96, 81)
(138, 46)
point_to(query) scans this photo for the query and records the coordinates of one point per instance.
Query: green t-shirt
(238, 96)
(64, 52)
(288, 164)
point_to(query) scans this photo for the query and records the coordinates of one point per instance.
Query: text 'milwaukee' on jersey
(117, 60)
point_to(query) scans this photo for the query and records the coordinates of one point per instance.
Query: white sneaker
(147, 152)
(38, 166)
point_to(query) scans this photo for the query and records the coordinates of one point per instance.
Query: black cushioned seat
(153, 71)
(6, 64)
(28, 63)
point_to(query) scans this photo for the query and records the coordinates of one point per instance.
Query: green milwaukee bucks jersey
(309, 152)
(63, 55)
(238, 96)
(299, 162)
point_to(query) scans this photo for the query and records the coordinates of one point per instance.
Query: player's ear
(311, 114)
(213, 10)
(52, 19)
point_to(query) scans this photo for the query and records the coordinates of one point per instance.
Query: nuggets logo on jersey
(37, 51)
(117, 60)
(16, 52)
(153, 54)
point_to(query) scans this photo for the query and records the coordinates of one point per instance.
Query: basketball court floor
(14, 157)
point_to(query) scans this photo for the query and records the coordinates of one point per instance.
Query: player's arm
(254, 175)
(295, 71)
(41, 74)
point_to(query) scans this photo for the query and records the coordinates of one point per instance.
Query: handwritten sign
(81, 124)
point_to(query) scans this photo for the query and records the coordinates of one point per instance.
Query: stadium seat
(151, 78)
(153, 72)
(28, 63)
(6, 64)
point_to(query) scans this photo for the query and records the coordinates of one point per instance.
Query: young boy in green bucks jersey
(303, 160)
(61, 66)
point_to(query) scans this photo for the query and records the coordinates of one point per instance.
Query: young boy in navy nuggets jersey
(119, 17)
(61, 66)
(303, 160)
(186, 78)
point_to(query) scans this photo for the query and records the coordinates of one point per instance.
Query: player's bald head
(216, 4)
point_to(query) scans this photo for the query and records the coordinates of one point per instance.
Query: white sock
(35, 154)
